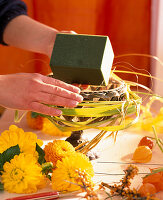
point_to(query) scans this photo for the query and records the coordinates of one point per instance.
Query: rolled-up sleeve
(10, 9)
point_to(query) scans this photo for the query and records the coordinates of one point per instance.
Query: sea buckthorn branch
(123, 189)
(86, 185)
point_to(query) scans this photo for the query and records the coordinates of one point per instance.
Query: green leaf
(1, 186)
(154, 171)
(47, 169)
(9, 154)
(41, 154)
(92, 112)
(34, 114)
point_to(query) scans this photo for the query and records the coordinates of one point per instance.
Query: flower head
(66, 173)
(22, 174)
(57, 150)
(26, 140)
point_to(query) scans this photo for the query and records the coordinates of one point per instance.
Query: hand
(30, 91)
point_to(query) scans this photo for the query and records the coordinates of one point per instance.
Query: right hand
(30, 91)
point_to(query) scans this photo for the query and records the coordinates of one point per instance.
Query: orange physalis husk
(142, 154)
(147, 188)
(35, 122)
(155, 179)
(159, 185)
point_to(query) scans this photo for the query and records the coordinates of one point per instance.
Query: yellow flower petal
(22, 174)
(26, 140)
(65, 172)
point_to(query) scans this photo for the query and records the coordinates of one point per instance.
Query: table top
(116, 154)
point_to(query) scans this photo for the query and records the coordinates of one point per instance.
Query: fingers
(55, 92)
(55, 82)
(53, 99)
(40, 108)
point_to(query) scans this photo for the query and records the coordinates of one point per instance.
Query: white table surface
(121, 151)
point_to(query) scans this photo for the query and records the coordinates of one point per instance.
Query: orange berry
(146, 141)
(147, 188)
(84, 86)
(142, 154)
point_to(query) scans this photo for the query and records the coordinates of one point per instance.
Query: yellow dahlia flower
(26, 140)
(66, 172)
(57, 150)
(22, 174)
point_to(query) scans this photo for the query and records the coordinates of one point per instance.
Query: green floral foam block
(84, 59)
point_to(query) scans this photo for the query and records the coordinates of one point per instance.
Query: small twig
(120, 174)
(17, 119)
(80, 145)
(127, 163)
(156, 138)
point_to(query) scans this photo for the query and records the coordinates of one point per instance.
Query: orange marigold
(57, 150)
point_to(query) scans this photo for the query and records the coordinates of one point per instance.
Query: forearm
(26, 33)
